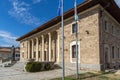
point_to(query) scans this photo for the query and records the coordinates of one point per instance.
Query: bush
(47, 66)
(28, 66)
(33, 67)
(38, 66)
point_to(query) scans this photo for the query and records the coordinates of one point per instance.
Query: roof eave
(85, 5)
(53, 21)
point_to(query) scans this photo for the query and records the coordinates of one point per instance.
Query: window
(118, 53)
(45, 55)
(17, 55)
(73, 28)
(45, 39)
(74, 51)
(39, 54)
(106, 50)
(112, 29)
(106, 28)
(23, 54)
(106, 57)
(113, 51)
(23, 45)
(52, 55)
(39, 41)
(34, 42)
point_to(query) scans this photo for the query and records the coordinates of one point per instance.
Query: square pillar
(42, 47)
(32, 49)
(28, 50)
(58, 48)
(36, 49)
(49, 46)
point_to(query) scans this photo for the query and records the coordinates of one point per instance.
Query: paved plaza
(16, 73)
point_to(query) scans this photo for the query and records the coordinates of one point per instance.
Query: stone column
(42, 47)
(58, 48)
(32, 49)
(36, 49)
(49, 46)
(53, 50)
(28, 49)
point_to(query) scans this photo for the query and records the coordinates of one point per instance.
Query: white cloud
(7, 39)
(36, 1)
(6, 35)
(118, 2)
(21, 11)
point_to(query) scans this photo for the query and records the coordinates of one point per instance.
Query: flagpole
(76, 22)
(77, 72)
(62, 18)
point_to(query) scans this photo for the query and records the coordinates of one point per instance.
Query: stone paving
(12, 73)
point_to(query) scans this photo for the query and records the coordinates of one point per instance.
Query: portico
(43, 48)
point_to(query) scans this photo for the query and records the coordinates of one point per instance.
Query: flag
(76, 15)
(60, 8)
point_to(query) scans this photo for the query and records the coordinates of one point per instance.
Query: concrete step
(19, 66)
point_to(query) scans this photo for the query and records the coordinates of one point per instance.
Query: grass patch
(103, 77)
(91, 76)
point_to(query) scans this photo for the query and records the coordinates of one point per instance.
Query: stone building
(9, 53)
(98, 37)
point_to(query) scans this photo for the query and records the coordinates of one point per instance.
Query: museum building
(98, 38)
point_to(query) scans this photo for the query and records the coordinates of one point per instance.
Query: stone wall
(23, 50)
(110, 37)
(91, 39)
(88, 36)
(5, 55)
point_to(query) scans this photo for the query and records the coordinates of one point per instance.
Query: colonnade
(44, 48)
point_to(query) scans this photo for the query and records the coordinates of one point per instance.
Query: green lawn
(93, 76)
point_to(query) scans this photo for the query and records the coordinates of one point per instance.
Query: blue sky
(18, 17)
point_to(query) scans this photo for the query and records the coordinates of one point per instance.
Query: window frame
(73, 51)
(71, 44)
(23, 55)
(39, 54)
(118, 52)
(74, 26)
(106, 26)
(107, 49)
(112, 30)
(34, 54)
(113, 52)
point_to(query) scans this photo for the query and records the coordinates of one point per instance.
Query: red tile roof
(8, 49)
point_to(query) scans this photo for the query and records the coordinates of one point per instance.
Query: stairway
(19, 66)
